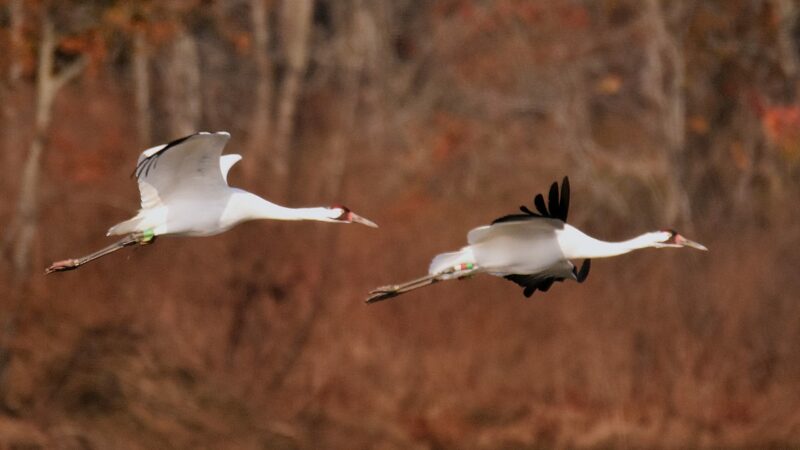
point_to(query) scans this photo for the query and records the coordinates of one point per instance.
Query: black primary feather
(580, 275)
(533, 282)
(529, 291)
(555, 208)
(552, 201)
(145, 164)
(564, 205)
(540, 206)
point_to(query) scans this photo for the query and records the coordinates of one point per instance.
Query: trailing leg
(137, 238)
(458, 271)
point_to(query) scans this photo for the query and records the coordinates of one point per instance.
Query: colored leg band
(147, 235)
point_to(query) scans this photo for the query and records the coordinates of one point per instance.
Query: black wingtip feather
(144, 166)
(584, 272)
(530, 283)
(552, 201)
(564, 204)
(540, 206)
(553, 208)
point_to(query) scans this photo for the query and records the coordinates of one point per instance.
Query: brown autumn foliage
(430, 118)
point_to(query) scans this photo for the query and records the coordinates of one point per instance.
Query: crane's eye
(345, 214)
(672, 235)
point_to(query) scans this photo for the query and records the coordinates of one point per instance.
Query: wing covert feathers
(149, 158)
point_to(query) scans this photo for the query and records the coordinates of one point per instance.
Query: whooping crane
(184, 192)
(532, 249)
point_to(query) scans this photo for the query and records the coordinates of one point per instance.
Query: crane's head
(340, 213)
(671, 238)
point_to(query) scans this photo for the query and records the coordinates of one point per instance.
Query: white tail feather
(444, 261)
(128, 226)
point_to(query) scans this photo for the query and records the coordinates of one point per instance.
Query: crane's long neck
(577, 245)
(245, 206)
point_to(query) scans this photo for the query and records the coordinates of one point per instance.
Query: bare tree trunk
(182, 83)
(295, 23)
(351, 56)
(47, 86)
(260, 129)
(23, 227)
(667, 74)
(141, 87)
(7, 92)
(15, 16)
(788, 13)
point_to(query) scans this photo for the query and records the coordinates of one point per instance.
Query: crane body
(184, 192)
(532, 249)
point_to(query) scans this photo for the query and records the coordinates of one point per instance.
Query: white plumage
(184, 191)
(532, 249)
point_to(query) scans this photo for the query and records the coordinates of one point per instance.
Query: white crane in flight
(532, 249)
(184, 192)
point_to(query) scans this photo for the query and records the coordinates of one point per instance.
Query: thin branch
(69, 72)
(16, 17)
(296, 30)
(261, 125)
(351, 57)
(141, 86)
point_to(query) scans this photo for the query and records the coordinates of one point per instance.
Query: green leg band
(148, 235)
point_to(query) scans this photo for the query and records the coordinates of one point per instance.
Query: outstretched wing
(185, 166)
(556, 208)
(525, 230)
(549, 216)
(532, 283)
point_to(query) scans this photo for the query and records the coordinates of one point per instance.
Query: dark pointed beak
(680, 240)
(355, 218)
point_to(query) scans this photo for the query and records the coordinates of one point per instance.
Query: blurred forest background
(429, 117)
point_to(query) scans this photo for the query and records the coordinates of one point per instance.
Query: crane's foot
(74, 263)
(385, 289)
(383, 293)
(377, 296)
(60, 266)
